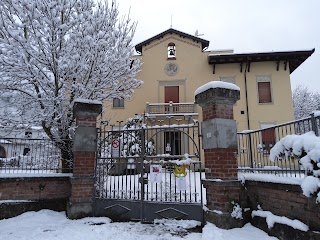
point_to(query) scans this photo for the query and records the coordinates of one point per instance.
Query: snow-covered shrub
(236, 211)
(130, 138)
(306, 149)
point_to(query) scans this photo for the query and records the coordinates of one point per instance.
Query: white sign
(181, 184)
(155, 173)
(115, 145)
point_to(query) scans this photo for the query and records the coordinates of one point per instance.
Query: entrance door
(171, 93)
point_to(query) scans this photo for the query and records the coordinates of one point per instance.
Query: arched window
(171, 51)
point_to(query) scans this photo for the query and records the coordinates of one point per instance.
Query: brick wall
(222, 163)
(84, 163)
(86, 121)
(34, 188)
(217, 111)
(283, 200)
(220, 194)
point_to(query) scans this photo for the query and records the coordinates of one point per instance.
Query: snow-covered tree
(304, 101)
(52, 52)
(130, 139)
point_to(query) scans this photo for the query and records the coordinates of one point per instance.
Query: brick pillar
(84, 152)
(219, 141)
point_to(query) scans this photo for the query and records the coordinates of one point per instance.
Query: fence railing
(121, 180)
(254, 147)
(170, 108)
(25, 156)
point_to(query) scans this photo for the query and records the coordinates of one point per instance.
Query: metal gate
(149, 172)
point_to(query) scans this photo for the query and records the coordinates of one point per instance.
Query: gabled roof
(295, 58)
(204, 43)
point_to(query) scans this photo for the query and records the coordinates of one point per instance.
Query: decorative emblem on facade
(171, 69)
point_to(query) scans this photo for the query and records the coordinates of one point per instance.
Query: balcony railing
(163, 109)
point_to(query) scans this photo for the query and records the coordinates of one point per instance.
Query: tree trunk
(66, 156)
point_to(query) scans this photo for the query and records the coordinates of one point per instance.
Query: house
(175, 64)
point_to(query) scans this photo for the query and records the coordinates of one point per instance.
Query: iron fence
(27, 156)
(121, 179)
(254, 147)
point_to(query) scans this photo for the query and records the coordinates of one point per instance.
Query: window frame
(120, 102)
(264, 79)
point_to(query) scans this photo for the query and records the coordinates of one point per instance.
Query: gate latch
(143, 180)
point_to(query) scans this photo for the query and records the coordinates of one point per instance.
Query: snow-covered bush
(236, 211)
(306, 149)
(130, 139)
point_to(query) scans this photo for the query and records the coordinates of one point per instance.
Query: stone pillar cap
(86, 107)
(216, 84)
(217, 92)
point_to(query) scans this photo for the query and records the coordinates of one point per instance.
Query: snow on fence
(254, 147)
(25, 155)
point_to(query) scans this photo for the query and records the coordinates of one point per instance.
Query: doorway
(173, 143)
(171, 93)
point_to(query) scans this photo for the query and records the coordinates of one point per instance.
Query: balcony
(170, 109)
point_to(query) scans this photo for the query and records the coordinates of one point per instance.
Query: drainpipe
(248, 119)
(246, 92)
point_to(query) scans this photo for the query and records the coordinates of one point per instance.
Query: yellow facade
(194, 70)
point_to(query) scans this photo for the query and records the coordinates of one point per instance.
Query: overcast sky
(242, 25)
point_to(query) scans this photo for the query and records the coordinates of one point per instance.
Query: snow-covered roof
(216, 84)
(89, 101)
(262, 52)
(295, 58)
(204, 43)
(3, 141)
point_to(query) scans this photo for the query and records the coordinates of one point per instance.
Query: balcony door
(171, 93)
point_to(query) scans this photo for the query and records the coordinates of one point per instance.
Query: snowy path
(51, 225)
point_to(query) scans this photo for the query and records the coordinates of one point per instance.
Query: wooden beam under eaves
(214, 68)
(248, 65)
(285, 65)
(278, 63)
(241, 65)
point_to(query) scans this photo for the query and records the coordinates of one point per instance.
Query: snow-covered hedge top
(216, 84)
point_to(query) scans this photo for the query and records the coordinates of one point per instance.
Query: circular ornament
(171, 69)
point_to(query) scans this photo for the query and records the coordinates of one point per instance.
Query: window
(28, 134)
(264, 89)
(228, 79)
(171, 51)
(26, 151)
(118, 102)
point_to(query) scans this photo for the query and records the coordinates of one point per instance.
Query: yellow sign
(180, 170)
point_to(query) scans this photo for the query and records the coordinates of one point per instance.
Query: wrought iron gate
(145, 173)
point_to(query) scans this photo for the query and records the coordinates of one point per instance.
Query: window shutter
(264, 91)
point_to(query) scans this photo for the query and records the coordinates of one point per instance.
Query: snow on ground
(49, 225)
